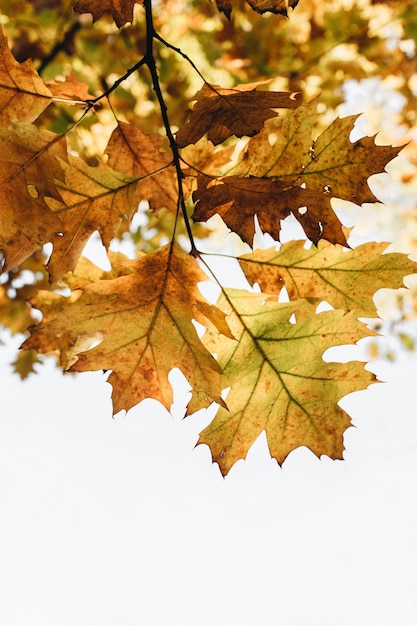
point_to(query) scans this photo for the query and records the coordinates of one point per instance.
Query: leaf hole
(33, 191)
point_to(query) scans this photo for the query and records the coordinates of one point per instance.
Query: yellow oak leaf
(29, 169)
(145, 321)
(330, 163)
(279, 382)
(240, 111)
(23, 94)
(63, 346)
(92, 198)
(346, 279)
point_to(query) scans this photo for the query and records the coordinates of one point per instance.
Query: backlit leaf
(279, 380)
(92, 198)
(145, 320)
(346, 279)
(330, 163)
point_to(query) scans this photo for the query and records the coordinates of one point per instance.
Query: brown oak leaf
(120, 10)
(237, 200)
(329, 163)
(71, 90)
(240, 111)
(282, 7)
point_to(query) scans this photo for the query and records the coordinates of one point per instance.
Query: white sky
(122, 522)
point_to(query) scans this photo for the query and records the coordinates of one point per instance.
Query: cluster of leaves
(247, 153)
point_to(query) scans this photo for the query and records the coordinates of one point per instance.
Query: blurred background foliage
(359, 56)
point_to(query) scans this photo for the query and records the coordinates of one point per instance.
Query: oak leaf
(63, 346)
(71, 90)
(132, 151)
(240, 111)
(23, 94)
(282, 7)
(145, 320)
(28, 167)
(237, 200)
(91, 198)
(329, 163)
(346, 279)
(120, 10)
(278, 379)
(297, 175)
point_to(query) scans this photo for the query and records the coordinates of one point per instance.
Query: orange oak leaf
(132, 151)
(279, 382)
(237, 200)
(28, 167)
(145, 321)
(346, 279)
(92, 198)
(23, 94)
(71, 90)
(240, 111)
(120, 10)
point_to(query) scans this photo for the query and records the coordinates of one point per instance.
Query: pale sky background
(124, 522)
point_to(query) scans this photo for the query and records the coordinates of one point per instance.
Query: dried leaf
(237, 200)
(120, 10)
(294, 175)
(70, 89)
(240, 111)
(282, 7)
